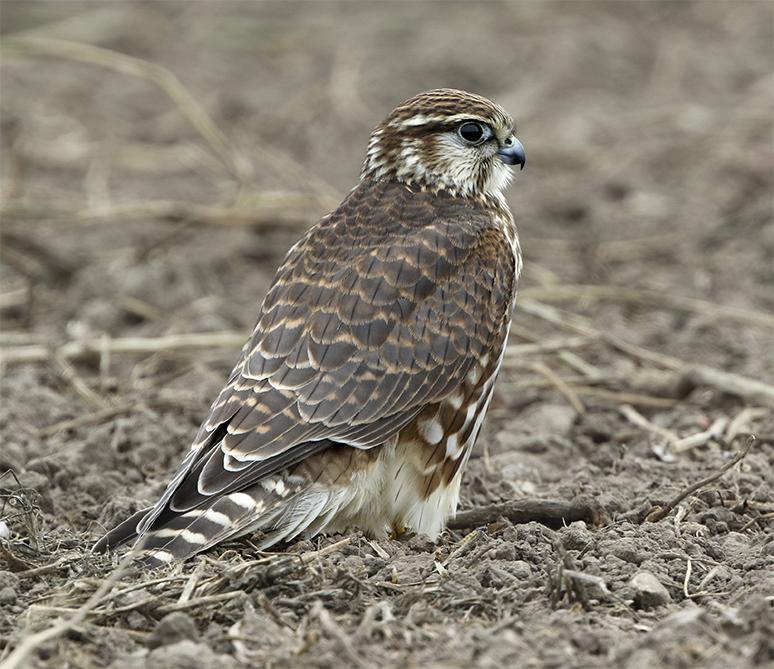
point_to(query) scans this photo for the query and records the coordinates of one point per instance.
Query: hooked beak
(512, 153)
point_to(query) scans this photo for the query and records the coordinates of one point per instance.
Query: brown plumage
(362, 389)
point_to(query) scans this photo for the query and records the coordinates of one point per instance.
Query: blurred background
(158, 159)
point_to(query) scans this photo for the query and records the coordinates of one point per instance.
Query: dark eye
(472, 132)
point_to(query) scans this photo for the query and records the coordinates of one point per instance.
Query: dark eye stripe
(437, 127)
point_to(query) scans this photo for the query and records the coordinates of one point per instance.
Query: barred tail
(121, 533)
(182, 535)
(280, 512)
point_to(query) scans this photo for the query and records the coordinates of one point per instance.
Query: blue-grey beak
(512, 153)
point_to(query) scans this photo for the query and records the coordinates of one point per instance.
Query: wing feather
(380, 310)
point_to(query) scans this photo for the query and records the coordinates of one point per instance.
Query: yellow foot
(397, 529)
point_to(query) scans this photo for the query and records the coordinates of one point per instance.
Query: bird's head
(446, 139)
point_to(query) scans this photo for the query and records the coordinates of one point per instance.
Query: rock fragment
(649, 592)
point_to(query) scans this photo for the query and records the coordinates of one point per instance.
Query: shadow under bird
(362, 389)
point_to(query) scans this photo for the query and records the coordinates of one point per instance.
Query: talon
(397, 530)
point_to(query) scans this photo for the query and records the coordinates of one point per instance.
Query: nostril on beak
(512, 153)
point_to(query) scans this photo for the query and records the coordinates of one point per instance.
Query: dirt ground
(158, 159)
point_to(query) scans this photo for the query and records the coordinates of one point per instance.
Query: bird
(362, 389)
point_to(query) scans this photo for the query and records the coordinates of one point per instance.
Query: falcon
(362, 389)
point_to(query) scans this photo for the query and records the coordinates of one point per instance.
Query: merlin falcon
(362, 389)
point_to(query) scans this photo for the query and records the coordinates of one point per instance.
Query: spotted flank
(362, 389)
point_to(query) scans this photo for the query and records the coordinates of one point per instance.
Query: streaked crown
(445, 139)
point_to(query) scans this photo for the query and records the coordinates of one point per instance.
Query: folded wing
(381, 309)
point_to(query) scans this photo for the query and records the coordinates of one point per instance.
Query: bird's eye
(472, 132)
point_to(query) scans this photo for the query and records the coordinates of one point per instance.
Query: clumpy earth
(157, 161)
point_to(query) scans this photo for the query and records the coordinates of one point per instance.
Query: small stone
(593, 587)
(736, 544)
(187, 655)
(536, 429)
(575, 536)
(504, 551)
(655, 382)
(173, 627)
(598, 427)
(136, 621)
(520, 569)
(649, 592)
(643, 658)
(627, 552)
(9, 579)
(7, 595)
(553, 419)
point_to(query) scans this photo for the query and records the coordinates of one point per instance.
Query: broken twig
(547, 512)
(93, 347)
(661, 512)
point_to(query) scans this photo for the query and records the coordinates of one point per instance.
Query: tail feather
(281, 506)
(122, 533)
(191, 532)
(296, 516)
(275, 506)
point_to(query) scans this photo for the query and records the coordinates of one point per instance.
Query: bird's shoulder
(385, 224)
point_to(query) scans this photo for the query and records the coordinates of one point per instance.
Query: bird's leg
(397, 529)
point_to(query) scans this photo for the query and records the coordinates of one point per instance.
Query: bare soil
(151, 186)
